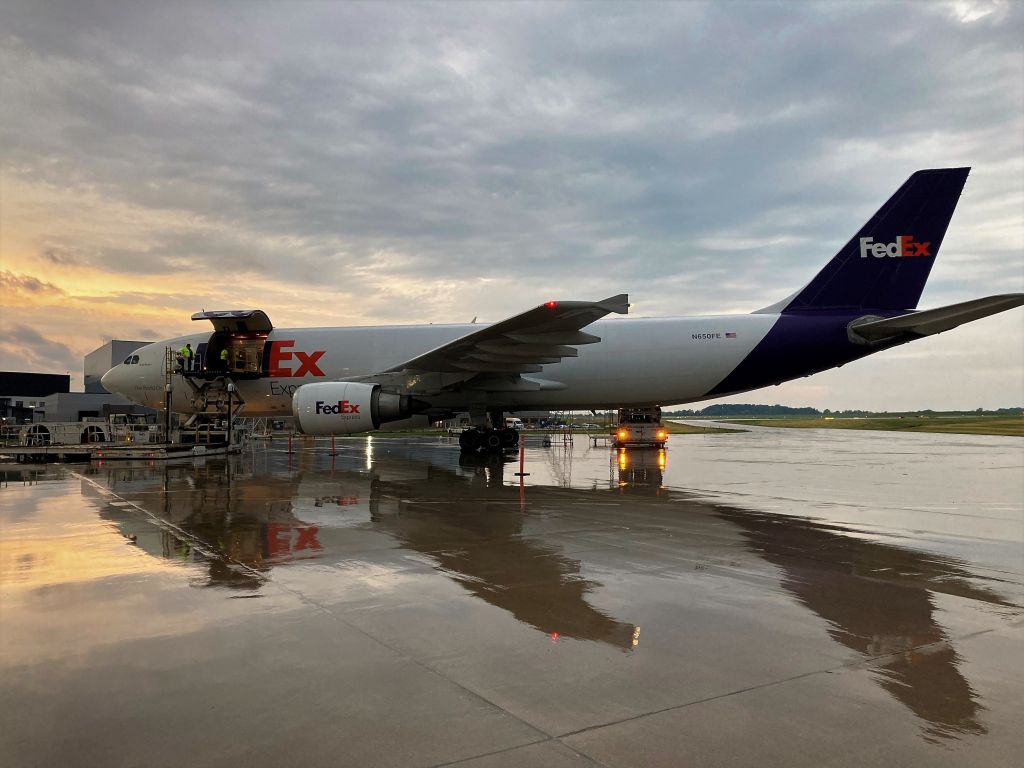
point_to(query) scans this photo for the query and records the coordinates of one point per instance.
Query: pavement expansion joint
(193, 541)
(856, 664)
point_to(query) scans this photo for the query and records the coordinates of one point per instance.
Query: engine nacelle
(342, 408)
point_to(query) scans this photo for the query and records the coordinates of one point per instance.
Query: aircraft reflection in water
(877, 600)
(465, 519)
(468, 520)
(471, 525)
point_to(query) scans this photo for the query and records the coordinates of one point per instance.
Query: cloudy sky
(346, 163)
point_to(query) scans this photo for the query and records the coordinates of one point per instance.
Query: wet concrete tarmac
(774, 597)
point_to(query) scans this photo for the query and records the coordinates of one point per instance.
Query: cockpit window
(131, 360)
(135, 359)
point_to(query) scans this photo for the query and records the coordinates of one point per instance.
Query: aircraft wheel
(493, 440)
(509, 438)
(469, 440)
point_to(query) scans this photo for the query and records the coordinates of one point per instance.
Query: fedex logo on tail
(905, 245)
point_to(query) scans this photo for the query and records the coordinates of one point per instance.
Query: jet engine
(341, 408)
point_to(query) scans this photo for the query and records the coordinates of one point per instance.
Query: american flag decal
(730, 335)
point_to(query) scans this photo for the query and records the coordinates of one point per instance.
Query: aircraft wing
(521, 344)
(932, 321)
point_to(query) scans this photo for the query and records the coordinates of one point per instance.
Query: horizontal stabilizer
(932, 321)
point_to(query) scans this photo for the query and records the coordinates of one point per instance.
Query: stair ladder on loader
(169, 363)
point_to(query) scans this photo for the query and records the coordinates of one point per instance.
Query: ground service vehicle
(639, 428)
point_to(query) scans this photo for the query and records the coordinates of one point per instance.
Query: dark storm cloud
(25, 345)
(651, 145)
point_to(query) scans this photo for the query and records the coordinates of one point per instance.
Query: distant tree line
(751, 410)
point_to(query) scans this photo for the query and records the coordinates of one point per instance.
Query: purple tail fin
(886, 264)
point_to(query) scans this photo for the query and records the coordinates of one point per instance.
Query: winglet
(618, 304)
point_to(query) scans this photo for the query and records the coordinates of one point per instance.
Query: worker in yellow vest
(224, 360)
(186, 357)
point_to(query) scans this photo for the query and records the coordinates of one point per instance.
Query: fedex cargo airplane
(563, 354)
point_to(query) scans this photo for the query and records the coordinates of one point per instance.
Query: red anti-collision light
(550, 304)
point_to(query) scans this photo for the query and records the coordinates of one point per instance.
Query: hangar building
(22, 393)
(33, 397)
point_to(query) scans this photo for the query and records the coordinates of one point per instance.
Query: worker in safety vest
(224, 359)
(186, 357)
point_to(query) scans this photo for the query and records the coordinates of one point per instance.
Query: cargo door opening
(235, 354)
(236, 347)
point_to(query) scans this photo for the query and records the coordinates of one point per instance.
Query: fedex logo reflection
(284, 540)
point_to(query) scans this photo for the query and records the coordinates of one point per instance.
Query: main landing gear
(476, 439)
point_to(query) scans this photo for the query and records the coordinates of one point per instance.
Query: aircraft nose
(112, 381)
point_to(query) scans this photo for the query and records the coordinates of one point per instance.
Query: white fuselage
(639, 361)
